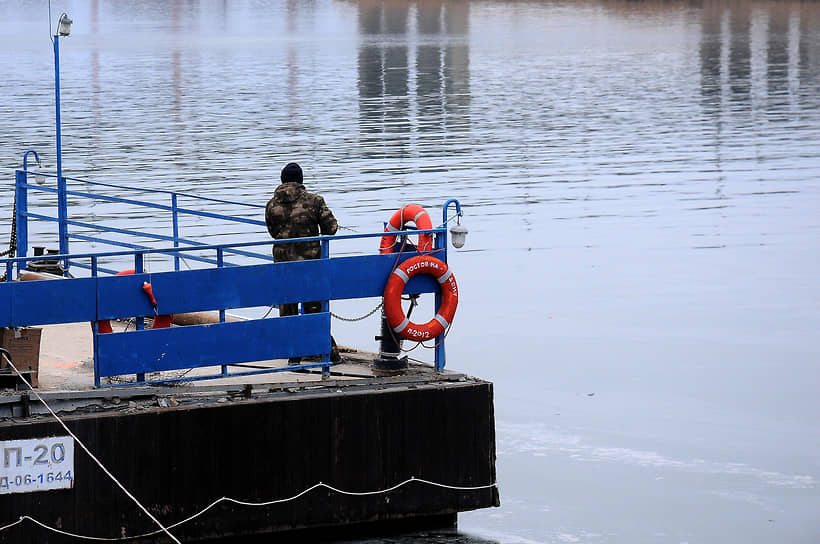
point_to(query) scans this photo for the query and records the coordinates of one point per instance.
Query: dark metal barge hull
(383, 449)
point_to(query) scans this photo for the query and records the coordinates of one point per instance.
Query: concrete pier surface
(66, 357)
(278, 453)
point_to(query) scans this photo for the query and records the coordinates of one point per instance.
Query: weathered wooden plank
(214, 344)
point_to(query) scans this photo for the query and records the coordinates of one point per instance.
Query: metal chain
(13, 237)
(373, 311)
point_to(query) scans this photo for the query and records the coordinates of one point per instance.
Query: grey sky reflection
(414, 77)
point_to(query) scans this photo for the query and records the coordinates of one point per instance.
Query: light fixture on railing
(459, 234)
(457, 231)
(64, 25)
(39, 178)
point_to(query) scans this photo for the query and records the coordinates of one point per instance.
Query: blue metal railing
(219, 286)
(22, 188)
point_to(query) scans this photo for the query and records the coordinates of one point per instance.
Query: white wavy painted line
(537, 440)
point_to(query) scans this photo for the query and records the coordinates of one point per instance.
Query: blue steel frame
(63, 220)
(224, 286)
(62, 198)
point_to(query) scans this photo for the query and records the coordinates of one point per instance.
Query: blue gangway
(227, 276)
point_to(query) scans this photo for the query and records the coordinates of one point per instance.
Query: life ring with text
(160, 321)
(406, 214)
(399, 323)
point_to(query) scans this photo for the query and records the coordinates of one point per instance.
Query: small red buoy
(150, 292)
(160, 321)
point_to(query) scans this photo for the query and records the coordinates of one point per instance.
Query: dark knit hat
(291, 173)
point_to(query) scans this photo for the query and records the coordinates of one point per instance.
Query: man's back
(293, 212)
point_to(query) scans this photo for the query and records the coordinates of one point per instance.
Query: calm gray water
(641, 181)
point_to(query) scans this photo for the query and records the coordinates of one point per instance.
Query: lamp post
(63, 29)
(25, 159)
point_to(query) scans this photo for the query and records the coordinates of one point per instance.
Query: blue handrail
(90, 299)
(226, 246)
(62, 218)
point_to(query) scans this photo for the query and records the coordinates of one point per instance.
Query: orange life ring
(401, 325)
(160, 321)
(405, 214)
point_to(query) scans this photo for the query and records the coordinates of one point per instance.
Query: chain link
(13, 237)
(373, 311)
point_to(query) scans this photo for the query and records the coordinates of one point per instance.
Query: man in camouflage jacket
(295, 213)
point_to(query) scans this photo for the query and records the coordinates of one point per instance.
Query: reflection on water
(726, 51)
(641, 183)
(414, 78)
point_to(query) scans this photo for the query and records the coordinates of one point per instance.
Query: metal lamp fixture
(38, 176)
(64, 25)
(459, 235)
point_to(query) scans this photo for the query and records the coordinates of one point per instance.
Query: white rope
(257, 504)
(83, 446)
(64, 533)
(10, 525)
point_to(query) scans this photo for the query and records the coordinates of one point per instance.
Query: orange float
(399, 323)
(406, 214)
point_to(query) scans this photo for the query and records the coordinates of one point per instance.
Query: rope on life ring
(399, 323)
(404, 215)
(160, 321)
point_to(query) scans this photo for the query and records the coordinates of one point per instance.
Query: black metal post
(389, 360)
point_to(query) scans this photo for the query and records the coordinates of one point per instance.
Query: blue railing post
(441, 244)
(140, 320)
(21, 216)
(62, 217)
(62, 200)
(175, 223)
(138, 269)
(325, 244)
(220, 262)
(95, 330)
